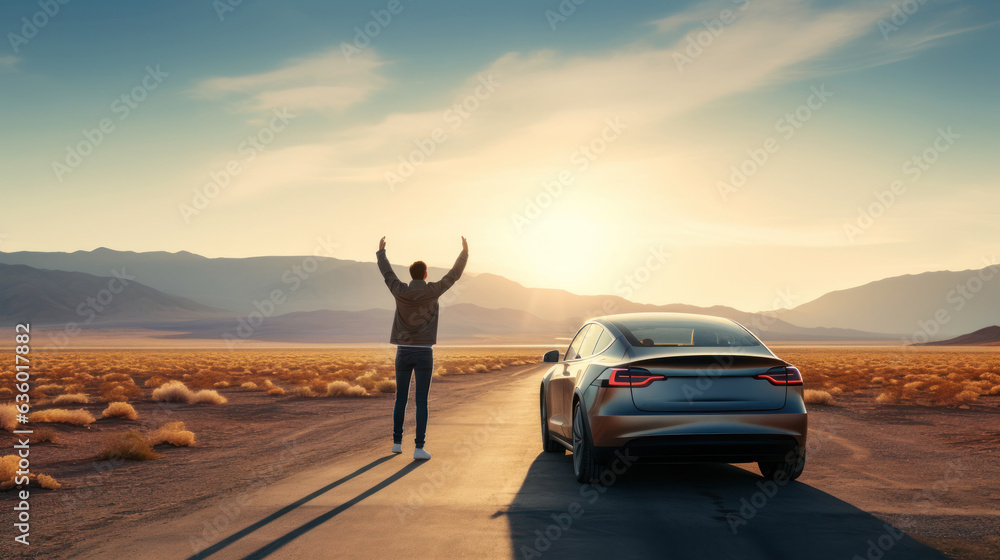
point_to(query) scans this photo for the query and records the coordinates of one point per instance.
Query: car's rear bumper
(704, 436)
(717, 448)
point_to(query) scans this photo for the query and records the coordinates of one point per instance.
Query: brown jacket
(416, 319)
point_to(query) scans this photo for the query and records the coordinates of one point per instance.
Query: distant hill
(54, 296)
(463, 323)
(970, 300)
(344, 285)
(990, 336)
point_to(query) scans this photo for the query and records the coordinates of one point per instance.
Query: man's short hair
(418, 270)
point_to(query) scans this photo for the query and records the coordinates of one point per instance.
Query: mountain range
(333, 300)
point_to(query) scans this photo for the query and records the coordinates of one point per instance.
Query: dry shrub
(119, 391)
(386, 386)
(74, 398)
(303, 391)
(208, 396)
(47, 482)
(155, 381)
(8, 417)
(50, 389)
(177, 391)
(479, 368)
(345, 389)
(818, 397)
(172, 391)
(249, 386)
(45, 434)
(6, 393)
(173, 433)
(129, 445)
(120, 410)
(273, 389)
(886, 398)
(79, 417)
(9, 465)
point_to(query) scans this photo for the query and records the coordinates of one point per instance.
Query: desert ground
(283, 453)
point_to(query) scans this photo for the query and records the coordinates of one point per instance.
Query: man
(414, 332)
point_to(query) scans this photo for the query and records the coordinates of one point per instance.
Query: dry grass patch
(130, 445)
(10, 464)
(73, 398)
(386, 386)
(177, 391)
(173, 433)
(8, 417)
(120, 410)
(818, 397)
(345, 389)
(79, 417)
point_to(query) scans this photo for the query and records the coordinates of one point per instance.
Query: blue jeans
(409, 361)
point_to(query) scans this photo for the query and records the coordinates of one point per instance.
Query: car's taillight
(782, 375)
(632, 377)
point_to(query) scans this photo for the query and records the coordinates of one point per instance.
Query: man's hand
(465, 244)
(381, 244)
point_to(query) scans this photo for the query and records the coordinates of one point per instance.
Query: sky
(744, 153)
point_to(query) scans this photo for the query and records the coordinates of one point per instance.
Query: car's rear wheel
(786, 470)
(548, 445)
(585, 465)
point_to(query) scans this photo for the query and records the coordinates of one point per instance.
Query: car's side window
(590, 341)
(573, 352)
(603, 342)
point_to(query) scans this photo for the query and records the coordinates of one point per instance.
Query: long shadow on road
(692, 511)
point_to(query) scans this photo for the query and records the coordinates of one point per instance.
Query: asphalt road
(490, 492)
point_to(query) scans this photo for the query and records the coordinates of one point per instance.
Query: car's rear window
(652, 332)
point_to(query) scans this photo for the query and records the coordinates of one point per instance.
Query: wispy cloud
(8, 61)
(324, 81)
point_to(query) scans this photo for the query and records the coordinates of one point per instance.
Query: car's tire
(789, 469)
(548, 445)
(585, 465)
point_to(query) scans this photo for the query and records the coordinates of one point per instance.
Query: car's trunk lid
(709, 383)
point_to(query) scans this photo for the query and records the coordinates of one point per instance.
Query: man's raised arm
(454, 274)
(391, 280)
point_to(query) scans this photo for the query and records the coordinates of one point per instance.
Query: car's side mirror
(551, 356)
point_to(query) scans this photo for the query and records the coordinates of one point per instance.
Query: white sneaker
(420, 455)
(397, 448)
